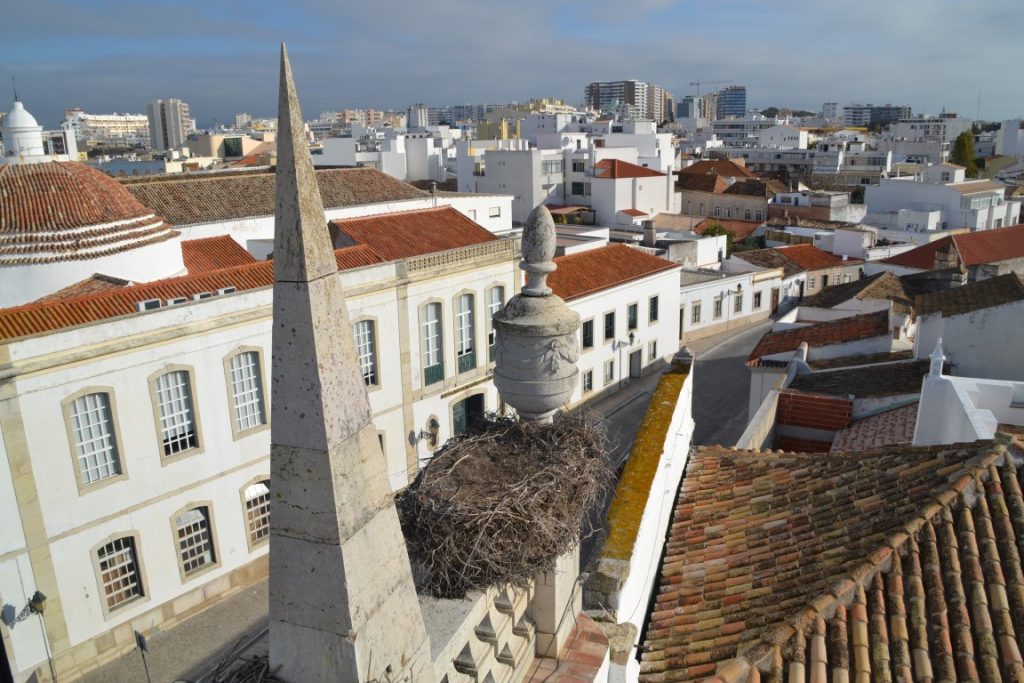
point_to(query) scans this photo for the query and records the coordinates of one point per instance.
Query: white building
(782, 137)
(118, 129)
(713, 301)
(939, 198)
(169, 123)
(25, 141)
(944, 128)
(1010, 139)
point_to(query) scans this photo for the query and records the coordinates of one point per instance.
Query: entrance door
(467, 413)
(635, 360)
(775, 300)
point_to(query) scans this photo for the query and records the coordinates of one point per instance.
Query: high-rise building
(691, 107)
(169, 123)
(418, 116)
(732, 101)
(830, 110)
(645, 100)
(878, 114)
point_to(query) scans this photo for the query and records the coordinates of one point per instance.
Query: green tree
(714, 230)
(963, 153)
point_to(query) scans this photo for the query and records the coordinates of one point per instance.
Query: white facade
(782, 137)
(169, 123)
(711, 302)
(976, 205)
(983, 343)
(25, 141)
(1010, 139)
(941, 129)
(128, 129)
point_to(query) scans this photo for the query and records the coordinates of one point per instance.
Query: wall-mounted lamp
(36, 605)
(431, 432)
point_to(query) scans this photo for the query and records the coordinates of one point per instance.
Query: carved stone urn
(535, 347)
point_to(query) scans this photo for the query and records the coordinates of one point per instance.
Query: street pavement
(721, 386)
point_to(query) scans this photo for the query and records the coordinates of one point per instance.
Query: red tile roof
(740, 230)
(701, 183)
(722, 167)
(213, 253)
(891, 427)
(217, 197)
(831, 332)
(974, 248)
(973, 296)
(616, 168)
(810, 258)
(594, 270)
(97, 282)
(65, 211)
(49, 315)
(410, 233)
(896, 564)
(633, 212)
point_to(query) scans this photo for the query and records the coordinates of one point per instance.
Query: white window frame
(465, 325)
(364, 333)
(588, 381)
(256, 507)
(609, 371)
(432, 337)
(246, 392)
(93, 433)
(194, 539)
(175, 411)
(652, 350)
(695, 312)
(495, 302)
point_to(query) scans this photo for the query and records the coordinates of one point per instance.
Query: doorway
(467, 413)
(636, 360)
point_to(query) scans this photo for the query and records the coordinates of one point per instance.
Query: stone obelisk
(343, 606)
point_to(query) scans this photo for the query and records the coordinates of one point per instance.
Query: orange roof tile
(810, 258)
(594, 270)
(973, 248)
(97, 282)
(721, 167)
(633, 212)
(213, 253)
(616, 168)
(740, 230)
(410, 233)
(855, 327)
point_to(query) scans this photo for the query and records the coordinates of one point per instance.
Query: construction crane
(699, 83)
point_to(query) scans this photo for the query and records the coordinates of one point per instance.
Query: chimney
(650, 234)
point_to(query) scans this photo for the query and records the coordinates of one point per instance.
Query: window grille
(194, 541)
(366, 350)
(433, 367)
(92, 428)
(247, 390)
(257, 510)
(119, 571)
(177, 418)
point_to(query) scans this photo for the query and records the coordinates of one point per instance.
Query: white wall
(983, 343)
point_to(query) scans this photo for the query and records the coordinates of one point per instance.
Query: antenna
(977, 115)
(14, 85)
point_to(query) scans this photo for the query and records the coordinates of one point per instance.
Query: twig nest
(500, 504)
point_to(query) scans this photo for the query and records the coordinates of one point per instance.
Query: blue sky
(220, 56)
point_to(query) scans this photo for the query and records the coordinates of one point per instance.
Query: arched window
(257, 510)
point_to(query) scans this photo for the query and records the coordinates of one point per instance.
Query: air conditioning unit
(177, 300)
(147, 305)
(226, 290)
(201, 295)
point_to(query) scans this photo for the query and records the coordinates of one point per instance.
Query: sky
(220, 56)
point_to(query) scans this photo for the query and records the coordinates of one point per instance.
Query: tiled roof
(865, 381)
(859, 360)
(700, 183)
(897, 564)
(595, 270)
(883, 285)
(97, 282)
(740, 230)
(213, 253)
(855, 327)
(47, 316)
(616, 168)
(974, 248)
(749, 188)
(810, 258)
(227, 196)
(770, 258)
(973, 296)
(889, 428)
(633, 212)
(719, 167)
(409, 233)
(66, 211)
(974, 186)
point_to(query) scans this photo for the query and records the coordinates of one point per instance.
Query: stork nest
(498, 505)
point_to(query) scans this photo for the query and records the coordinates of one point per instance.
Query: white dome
(19, 117)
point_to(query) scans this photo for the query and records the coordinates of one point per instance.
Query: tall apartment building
(867, 114)
(650, 101)
(691, 107)
(418, 116)
(830, 110)
(108, 128)
(732, 101)
(169, 123)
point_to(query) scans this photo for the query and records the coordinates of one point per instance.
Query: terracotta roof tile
(883, 285)
(750, 188)
(213, 253)
(403, 234)
(595, 270)
(973, 296)
(810, 258)
(226, 196)
(740, 230)
(97, 282)
(770, 258)
(865, 381)
(973, 248)
(616, 168)
(855, 561)
(718, 167)
(855, 327)
(888, 428)
(633, 212)
(701, 183)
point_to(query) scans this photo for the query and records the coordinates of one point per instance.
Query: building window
(652, 309)
(366, 351)
(177, 415)
(576, 188)
(119, 572)
(472, 214)
(551, 167)
(465, 351)
(494, 212)
(257, 511)
(247, 390)
(609, 372)
(746, 214)
(578, 167)
(495, 301)
(738, 303)
(609, 326)
(757, 215)
(811, 281)
(588, 381)
(587, 334)
(717, 313)
(92, 429)
(652, 350)
(757, 300)
(631, 316)
(824, 280)
(695, 312)
(433, 364)
(194, 542)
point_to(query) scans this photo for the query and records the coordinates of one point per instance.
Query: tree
(963, 153)
(714, 230)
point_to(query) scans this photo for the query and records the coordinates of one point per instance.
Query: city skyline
(389, 55)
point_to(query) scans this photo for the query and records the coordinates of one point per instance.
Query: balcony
(433, 374)
(467, 361)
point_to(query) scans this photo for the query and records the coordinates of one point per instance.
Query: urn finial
(538, 250)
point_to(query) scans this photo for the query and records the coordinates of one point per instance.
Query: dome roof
(67, 211)
(18, 117)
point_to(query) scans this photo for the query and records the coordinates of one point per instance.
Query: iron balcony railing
(433, 373)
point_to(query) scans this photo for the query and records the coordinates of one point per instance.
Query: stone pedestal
(557, 598)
